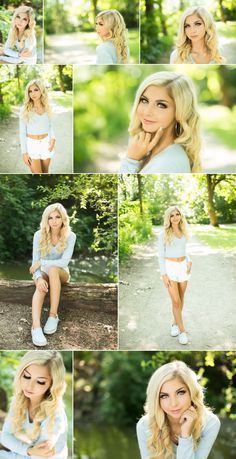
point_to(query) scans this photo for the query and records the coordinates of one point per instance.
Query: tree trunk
(140, 193)
(162, 18)
(89, 296)
(210, 203)
(223, 18)
(61, 78)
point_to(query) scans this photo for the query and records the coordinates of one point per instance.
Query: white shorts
(177, 270)
(45, 270)
(38, 149)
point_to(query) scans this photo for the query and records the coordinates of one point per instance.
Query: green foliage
(223, 237)
(111, 387)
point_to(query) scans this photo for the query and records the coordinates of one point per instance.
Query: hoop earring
(178, 129)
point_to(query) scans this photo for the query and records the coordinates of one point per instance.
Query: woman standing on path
(175, 265)
(164, 127)
(53, 247)
(36, 425)
(111, 28)
(197, 41)
(37, 137)
(177, 423)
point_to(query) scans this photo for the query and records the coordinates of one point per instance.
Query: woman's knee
(53, 271)
(176, 303)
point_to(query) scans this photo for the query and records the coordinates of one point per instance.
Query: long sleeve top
(12, 56)
(54, 257)
(36, 125)
(170, 160)
(177, 248)
(106, 53)
(189, 59)
(184, 449)
(18, 448)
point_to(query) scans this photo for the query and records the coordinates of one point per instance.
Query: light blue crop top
(176, 249)
(18, 448)
(54, 258)
(36, 125)
(170, 160)
(106, 53)
(189, 59)
(185, 448)
(13, 56)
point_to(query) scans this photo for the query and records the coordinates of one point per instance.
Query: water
(109, 442)
(86, 269)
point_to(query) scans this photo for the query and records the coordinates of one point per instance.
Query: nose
(148, 109)
(173, 402)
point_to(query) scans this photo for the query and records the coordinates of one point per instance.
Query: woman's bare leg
(57, 277)
(45, 165)
(37, 304)
(182, 289)
(35, 166)
(176, 305)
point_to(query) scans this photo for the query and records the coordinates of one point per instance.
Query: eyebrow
(38, 377)
(197, 20)
(157, 100)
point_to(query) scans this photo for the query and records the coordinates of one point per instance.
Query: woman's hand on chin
(187, 422)
(142, 144)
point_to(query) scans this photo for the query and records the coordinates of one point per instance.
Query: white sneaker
(174, 330)
(51, 325)
(183, 339)
(38, 337)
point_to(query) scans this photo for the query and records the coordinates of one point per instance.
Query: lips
(148, 121)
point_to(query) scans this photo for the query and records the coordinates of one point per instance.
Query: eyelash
(197, 23)
(159, 104)
(39, 382)
(181, 392)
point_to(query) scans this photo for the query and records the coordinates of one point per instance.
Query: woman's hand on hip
(187, 422)
(51, 144)
(189, 267)
(27, 159)
(141, 144)
(166, 280)
(44, 449)
(34, 267)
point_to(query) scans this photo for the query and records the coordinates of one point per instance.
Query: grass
(221, 122)
(227, 30)
(223, 237)
(62, 99)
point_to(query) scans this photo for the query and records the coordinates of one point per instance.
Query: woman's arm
(66, 256)
(8, 51)
(129, 166)
(103, 56)
(9, 440)
(58, 438)
(142, 435)
(185, 448)
(36, 255)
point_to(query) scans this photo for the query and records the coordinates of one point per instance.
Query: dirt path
(68, 49)
(10, 154)
(79, 328)
(209, 312)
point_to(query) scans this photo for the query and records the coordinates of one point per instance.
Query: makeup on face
(156, 109)
(55, 220)
(101, 28)
(34, 92)
(35, 381)
(194, 27)
(174, 398)
(21, 20)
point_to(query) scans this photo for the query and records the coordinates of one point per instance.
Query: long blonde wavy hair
(28, 105)
(168, 230)
(52, 400)
(45, 242)
(29, 30)
(183, 45)
(118, 33)
(159, 442)
(187, 130)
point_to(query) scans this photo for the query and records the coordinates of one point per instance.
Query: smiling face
(174, 398)
(156, 109)
(35, 380)
(101, 29)
(21, 21)
(55, 220)
(34, 93)
(194, 28)
(175, 217)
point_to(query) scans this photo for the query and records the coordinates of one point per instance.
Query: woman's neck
(199, 47)
(166, 139)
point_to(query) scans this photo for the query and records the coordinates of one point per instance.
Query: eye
(161, 105)
(163, 396)
(182, 392)
(26, 377)
(186, 25)
(143, 100)
(41, 383)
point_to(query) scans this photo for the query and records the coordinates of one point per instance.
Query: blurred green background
(9, 361)
(110, 391)
(70, 28)
(160, 20)
(7, 9)
(103, 97)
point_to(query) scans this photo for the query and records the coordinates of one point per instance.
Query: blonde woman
(164, 127)
(53, 248)
(20, 47)
(36, 425)
(177, 424)
(175, 265)
(37, 136)
(111, 28)
(197, 41)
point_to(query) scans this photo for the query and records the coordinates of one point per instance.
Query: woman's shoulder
(142, 424)
(37, 234)
(212, 421)
(72, 236)
(173, 56)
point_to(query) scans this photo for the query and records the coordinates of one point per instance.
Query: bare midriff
(37, 137)
(178, 259)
